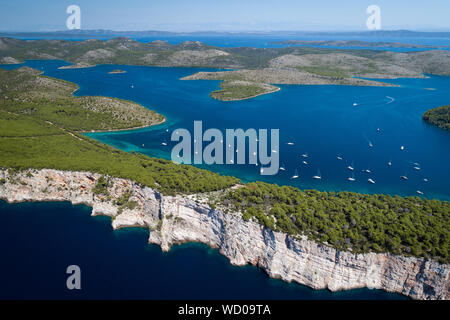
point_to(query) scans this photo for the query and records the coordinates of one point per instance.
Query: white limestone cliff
(182, 219)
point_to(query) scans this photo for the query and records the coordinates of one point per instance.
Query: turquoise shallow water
(320, 120)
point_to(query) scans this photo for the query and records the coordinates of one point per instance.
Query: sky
(224, 15)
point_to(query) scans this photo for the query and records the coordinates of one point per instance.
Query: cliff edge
(178, 219)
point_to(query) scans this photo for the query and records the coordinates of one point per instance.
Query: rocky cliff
(185, 219)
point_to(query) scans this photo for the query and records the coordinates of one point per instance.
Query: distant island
(78, 65)
(356, 43)
(107, 34)
(240, 90)
(115, 71)
(252, 71)
(439, 117)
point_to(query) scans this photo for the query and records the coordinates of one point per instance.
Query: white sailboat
(425, 179)
(282, 168)
(304, 162)
(371, 181)
(295, 176)
(419, 192)
(290, 143)
(417, 168)
(351, 167)
(339, 158)
(370, 144)
(318, 176)
(164, 143)
(404, 177)
(352, 178)
(305, 155)
(402, 148)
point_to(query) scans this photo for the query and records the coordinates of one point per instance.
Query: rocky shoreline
(179, 219)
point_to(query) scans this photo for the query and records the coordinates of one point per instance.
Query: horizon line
(80, 31)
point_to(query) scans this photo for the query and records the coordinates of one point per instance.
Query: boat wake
(390, 100)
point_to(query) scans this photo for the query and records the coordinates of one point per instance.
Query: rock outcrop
(178, 219)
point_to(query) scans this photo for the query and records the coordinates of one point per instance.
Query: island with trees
(439, 117)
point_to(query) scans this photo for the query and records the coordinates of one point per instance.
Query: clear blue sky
(232, 15)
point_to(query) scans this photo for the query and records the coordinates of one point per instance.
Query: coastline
(181, 219)
(126, 129)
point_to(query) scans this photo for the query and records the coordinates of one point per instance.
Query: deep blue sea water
(320, 120)
(39, 241)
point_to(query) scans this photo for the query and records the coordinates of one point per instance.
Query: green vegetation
(102, 185)
(124, 202)
(123, 199)
(239, 90)
(439, 117)
(65, 150)
(129, 205)
(34, 134)
(23, 91)
(348, 220)
(325, 71)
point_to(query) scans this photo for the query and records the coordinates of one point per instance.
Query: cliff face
(184, 219)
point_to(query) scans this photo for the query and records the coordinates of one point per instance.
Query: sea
(368, 128)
